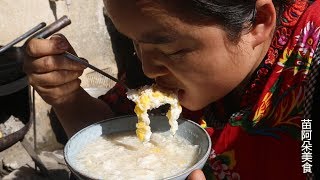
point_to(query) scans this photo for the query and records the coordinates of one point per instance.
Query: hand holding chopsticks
(48, 31)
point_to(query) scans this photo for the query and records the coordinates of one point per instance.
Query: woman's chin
(188, 102)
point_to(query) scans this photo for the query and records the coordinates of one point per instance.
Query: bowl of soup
(110, 149)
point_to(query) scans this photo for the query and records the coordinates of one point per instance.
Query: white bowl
(187, 129)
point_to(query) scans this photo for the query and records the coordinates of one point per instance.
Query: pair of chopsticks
(42, 34)
(22, 37)
(48, 31)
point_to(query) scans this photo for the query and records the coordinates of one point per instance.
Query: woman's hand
(54, 77)
(196, 175)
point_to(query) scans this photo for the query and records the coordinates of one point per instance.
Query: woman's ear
(264, 23)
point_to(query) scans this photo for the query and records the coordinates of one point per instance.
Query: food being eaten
(121, 156)
(150, 97)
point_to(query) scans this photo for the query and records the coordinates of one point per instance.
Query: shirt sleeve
(117, 99)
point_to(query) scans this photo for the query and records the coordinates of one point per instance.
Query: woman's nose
(151, 65)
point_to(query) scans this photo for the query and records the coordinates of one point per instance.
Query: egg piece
(151, 97)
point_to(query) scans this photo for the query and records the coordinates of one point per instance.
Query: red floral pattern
(267, 146)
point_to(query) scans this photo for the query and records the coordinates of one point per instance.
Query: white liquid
(123, 156)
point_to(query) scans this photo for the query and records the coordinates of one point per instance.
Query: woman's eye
(178, 53)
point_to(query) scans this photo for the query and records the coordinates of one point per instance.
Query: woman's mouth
(166, 88)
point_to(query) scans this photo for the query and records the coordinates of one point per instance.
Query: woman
(241, 69)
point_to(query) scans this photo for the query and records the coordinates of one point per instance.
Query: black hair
(234, 16)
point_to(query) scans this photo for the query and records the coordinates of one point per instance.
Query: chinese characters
(306, 147)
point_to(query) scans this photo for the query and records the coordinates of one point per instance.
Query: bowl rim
(204, 158)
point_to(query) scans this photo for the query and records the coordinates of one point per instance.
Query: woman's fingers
(51, 74)
(58, 94)
(53, 78)
(51, 63)
(57, 44)
(43, 47)
(196, 175)
(63, 39)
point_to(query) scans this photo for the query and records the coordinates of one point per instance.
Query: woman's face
(198, 61)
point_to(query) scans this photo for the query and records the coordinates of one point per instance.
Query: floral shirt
(263, 139)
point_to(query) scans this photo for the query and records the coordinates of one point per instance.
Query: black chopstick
(84, 62)
(22, 37)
